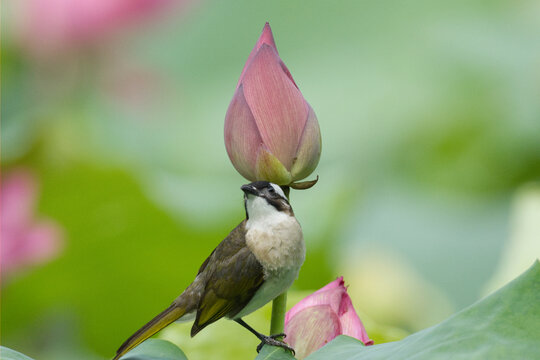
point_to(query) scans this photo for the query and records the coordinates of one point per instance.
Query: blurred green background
(428, 195)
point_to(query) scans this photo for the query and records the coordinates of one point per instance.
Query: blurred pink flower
(48, 26)
(271, 132)
(25, 241)
(322, 316)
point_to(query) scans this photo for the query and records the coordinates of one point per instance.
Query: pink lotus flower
(49, 26)
(322, 316)
(25, 241)
(271, 132)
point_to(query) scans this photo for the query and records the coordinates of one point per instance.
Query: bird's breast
(277, 243)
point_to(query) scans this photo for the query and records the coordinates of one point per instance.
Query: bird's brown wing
(233, 276)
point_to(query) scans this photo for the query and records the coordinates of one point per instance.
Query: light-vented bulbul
(255, 263)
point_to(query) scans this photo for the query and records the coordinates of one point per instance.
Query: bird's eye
(271, 190)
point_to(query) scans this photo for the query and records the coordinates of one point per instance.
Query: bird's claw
(272, 341)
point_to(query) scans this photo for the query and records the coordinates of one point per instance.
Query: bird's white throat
(261, 212)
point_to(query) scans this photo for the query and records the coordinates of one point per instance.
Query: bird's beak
(250, 189)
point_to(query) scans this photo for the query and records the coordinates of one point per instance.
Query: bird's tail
(166, 317)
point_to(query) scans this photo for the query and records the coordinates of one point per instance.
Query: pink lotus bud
(322, 316)
(271, 132)
(25, 241)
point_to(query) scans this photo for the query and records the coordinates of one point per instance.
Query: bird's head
(263, 198)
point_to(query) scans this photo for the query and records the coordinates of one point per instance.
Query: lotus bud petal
(271, 132)
(269, 167)
(309, 150)
(322, 316)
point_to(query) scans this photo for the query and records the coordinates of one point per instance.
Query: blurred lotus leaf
(9, 354)
(155, 349)
(274, 353)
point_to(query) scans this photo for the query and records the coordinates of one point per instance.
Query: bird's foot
(272, 340)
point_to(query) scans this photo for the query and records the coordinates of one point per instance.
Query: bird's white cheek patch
(279, 190)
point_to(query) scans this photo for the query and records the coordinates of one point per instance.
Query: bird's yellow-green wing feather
(233, 276)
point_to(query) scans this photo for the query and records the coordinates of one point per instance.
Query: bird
(255, 263)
